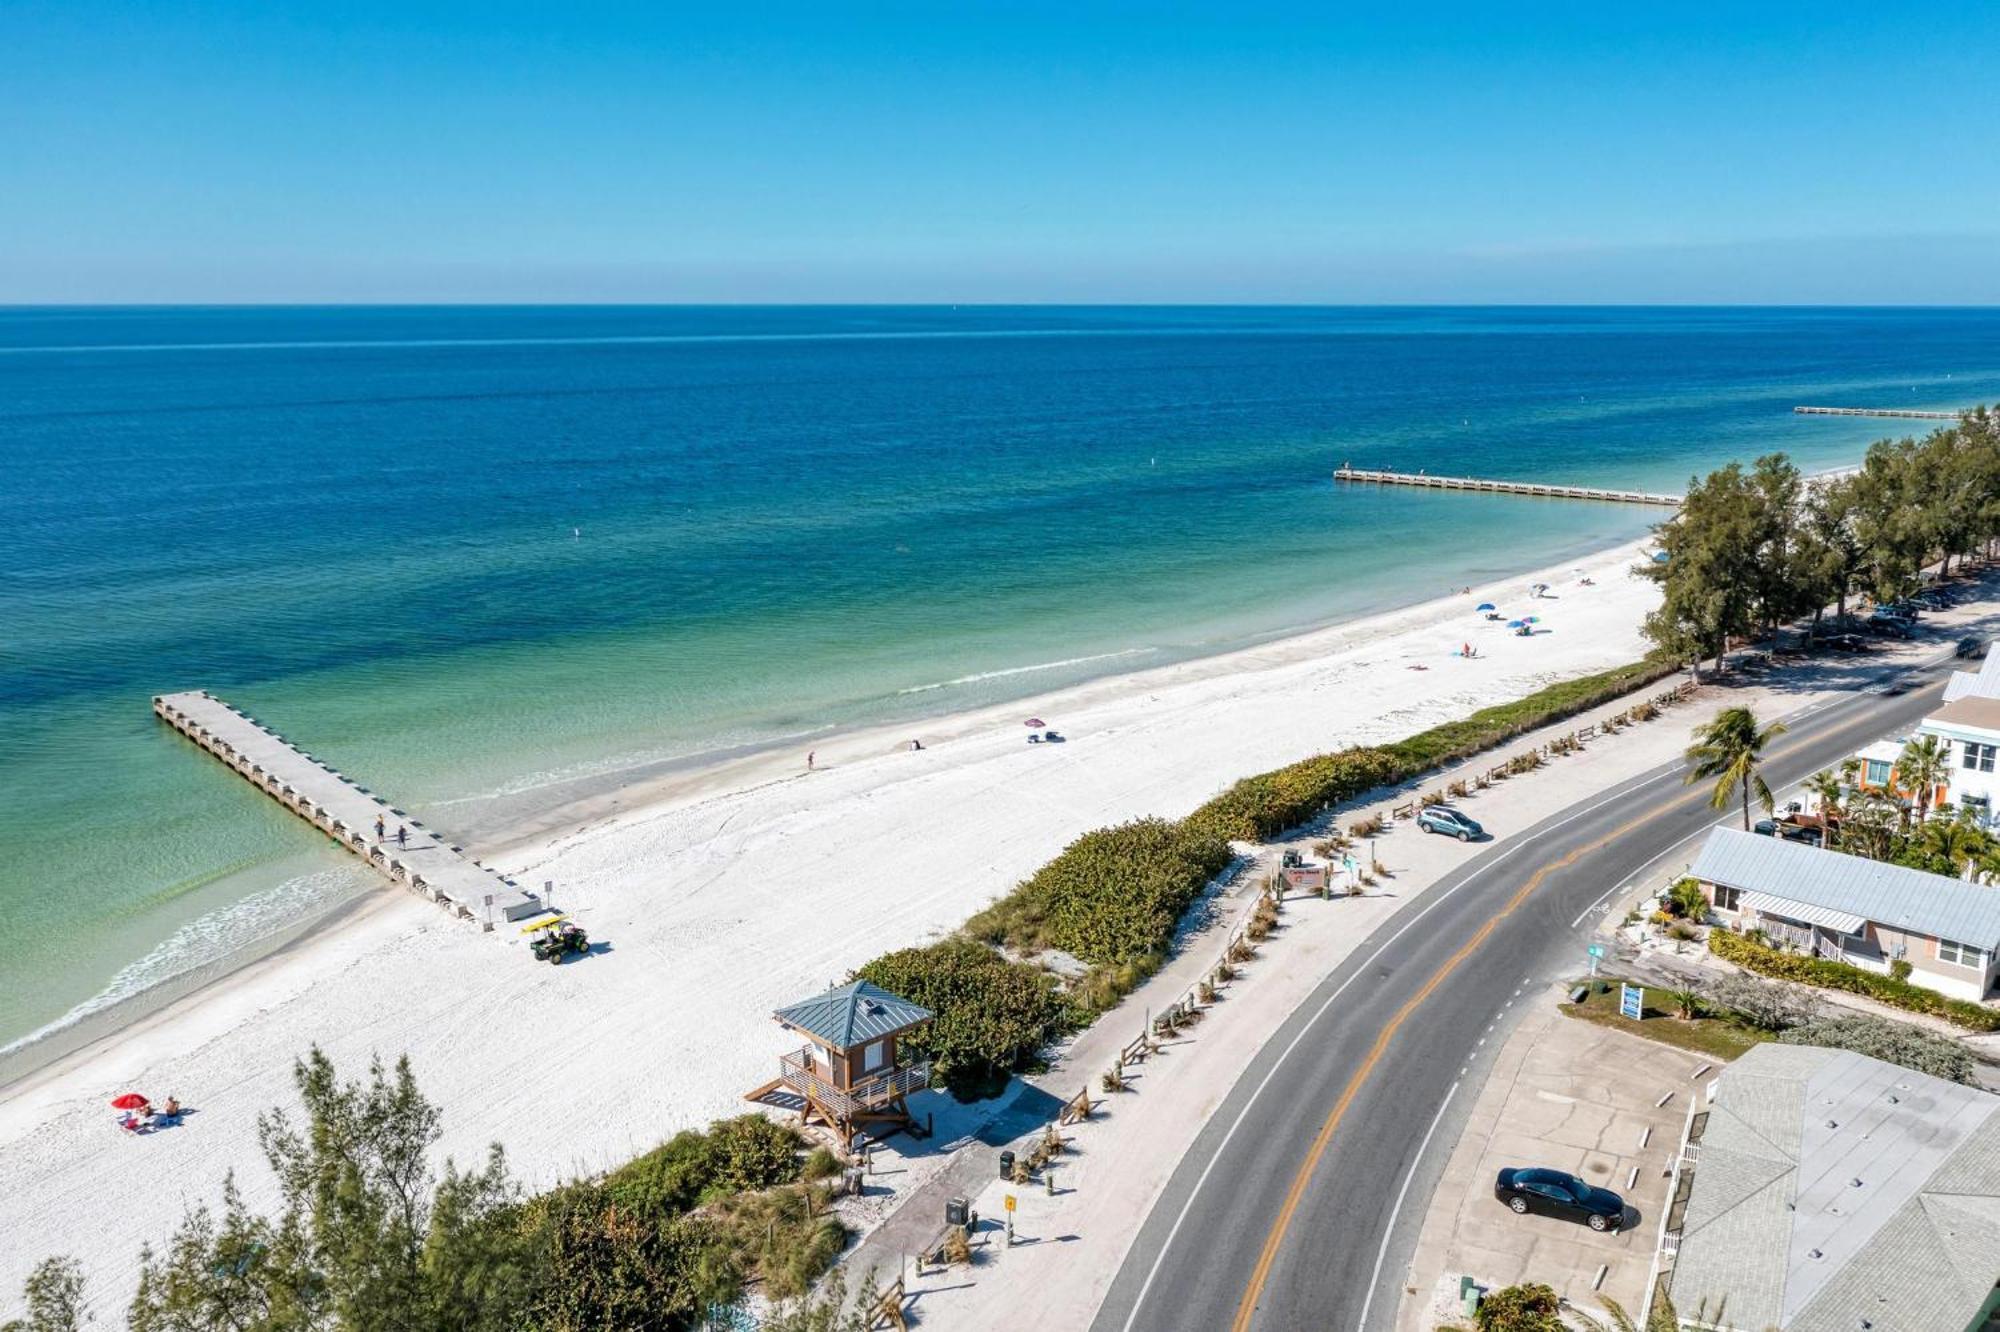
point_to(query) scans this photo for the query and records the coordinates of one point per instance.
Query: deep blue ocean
(480, 558)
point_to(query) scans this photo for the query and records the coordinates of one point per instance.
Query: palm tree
(1727, 750)
(1830, 791)
(1958, 842)
(1922, 767)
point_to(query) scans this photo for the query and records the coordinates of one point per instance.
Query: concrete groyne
(346, 811)
(1426, 480)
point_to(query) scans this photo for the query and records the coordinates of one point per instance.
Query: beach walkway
(1878, 411)
(345, 811)
(1358, 474)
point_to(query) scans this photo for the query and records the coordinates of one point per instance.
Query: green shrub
(1896, 1042)
(991, 1015)
(820, 1164)
(1900, 968)
(1525, 1308)
(1112, 896)
(1831, 975)
(693, 1168)
(612, 1266)
(1259, 808)
(1503, 721)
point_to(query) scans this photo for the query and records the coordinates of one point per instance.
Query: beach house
(1968, 723)
(1854, 910)
(1825, 1191)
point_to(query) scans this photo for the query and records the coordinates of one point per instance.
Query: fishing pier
(1425, 479)
(1878, 411)
(348, 813)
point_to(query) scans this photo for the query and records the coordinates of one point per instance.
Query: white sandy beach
(723, 895)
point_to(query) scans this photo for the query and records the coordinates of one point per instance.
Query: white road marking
(1159, 1259)
(1382, 1254)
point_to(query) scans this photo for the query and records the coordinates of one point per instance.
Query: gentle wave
(1026, 670)
(205, 941)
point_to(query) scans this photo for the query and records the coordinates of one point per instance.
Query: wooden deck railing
(803, 1076)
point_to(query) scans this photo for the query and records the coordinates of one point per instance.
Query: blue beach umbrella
(1484, 605)
(1515, 624)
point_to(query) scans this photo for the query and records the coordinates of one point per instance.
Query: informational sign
(1631, 1001)
(1010, 1202)
(1597, 950)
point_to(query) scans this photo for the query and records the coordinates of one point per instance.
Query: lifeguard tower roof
(851, 1015)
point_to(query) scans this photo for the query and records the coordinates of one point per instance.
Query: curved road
(1288, 1210)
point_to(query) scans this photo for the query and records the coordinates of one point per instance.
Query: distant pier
(1878, 411)
(1357, 474)
(346, 812)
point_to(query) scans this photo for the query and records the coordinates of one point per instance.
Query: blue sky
(1416, 152)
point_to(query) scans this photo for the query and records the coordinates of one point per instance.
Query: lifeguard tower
(848, 1078)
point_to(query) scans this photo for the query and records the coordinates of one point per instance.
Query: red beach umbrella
(130, 1101)
(1037, 723)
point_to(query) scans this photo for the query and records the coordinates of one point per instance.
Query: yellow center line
(1275, 1240)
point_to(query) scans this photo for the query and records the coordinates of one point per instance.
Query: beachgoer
(380, 827)
(173, 1110)
(402, 835)
(811, 754)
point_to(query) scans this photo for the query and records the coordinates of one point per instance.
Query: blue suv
(1444, 819)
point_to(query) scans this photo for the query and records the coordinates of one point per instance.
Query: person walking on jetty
(402, 835)
(381, 829)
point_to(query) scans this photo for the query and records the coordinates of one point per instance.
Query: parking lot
(1571, 1096)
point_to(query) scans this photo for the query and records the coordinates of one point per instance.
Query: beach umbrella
(1485, 605)
(130, 1101)
(1533, 619)
(1036, 723)
(1515, 624)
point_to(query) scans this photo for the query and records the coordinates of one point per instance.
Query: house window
(874, 1055)
(1963, 954)
(1976, 758)
(1727, 898)
(1878, 772)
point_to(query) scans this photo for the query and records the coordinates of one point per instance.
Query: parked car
(1970, 647)
(1554, 1193)
(1444, 819)
(1847, 643)
(1891, 626)
(1789, 830)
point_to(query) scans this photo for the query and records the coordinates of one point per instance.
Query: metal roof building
(1832, 1192)
(1834, 889)
(852, 1015)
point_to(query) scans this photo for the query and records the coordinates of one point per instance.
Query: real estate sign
(1631, 1000)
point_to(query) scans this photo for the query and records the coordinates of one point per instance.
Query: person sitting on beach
(171, 1112)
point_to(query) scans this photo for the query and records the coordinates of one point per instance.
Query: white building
(1969, 725)
(1848, 909)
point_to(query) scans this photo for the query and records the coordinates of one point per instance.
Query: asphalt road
(1289, 1209)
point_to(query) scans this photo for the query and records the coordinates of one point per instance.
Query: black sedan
(1556, 1194)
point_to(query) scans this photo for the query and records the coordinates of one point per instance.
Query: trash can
(957, 1212)
(1006, 1165)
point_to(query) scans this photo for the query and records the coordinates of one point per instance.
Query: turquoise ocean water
(482, 558)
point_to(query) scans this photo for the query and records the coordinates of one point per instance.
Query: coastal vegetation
(368, 1238)
(1752, 549)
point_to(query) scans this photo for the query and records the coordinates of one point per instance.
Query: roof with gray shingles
(1834, 1191)
(852, 1014)
(1886, 894)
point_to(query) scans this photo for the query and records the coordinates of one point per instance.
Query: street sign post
(1596, 952)
(1631, 1001)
